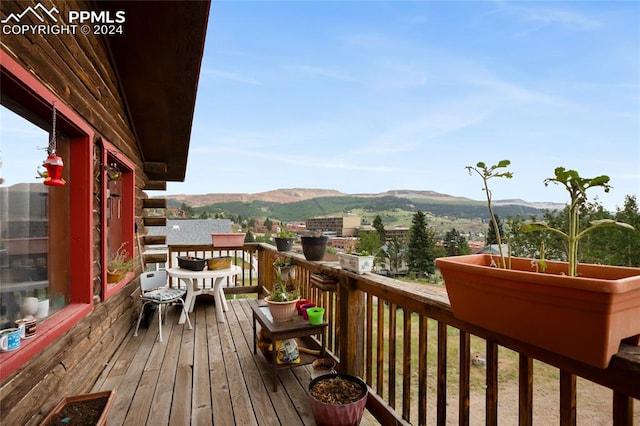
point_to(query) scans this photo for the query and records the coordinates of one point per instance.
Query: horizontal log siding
(77, 70)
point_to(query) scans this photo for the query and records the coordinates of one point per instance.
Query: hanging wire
(52, 141)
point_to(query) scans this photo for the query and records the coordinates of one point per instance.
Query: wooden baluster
(442, 374)
(423, 339)
(525, 412)
(406, 365)
(492, 384)
(567, 399)
(465, 374)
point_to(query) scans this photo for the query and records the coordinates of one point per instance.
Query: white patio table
(191, 279)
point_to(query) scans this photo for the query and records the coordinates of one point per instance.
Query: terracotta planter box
(228, 239)
(354, 263)
(79, 401)
(583, 318)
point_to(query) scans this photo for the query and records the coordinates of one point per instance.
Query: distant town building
(186, 231)
(191, 231)
(342, 226)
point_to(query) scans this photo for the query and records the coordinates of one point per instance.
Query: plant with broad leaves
(577, 187)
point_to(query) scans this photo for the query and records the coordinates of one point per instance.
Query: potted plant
(358, 262)
(314, 246)
(282, 300)
(119, 264)
(283, 265)
(337, 399)
(284, 240)
(582, 317)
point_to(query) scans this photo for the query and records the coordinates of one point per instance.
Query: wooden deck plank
(126, 383)
(240, 401)
(282, 404)
(163, 395)
(141, 402)
(201, 409)
(181, 404)
(277, 406)
(220, 392)
(208, 375)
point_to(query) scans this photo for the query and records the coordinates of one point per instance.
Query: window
(34, 238)
(45, 232)
(118, 213)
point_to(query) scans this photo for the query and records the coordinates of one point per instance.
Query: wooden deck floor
(208, 375)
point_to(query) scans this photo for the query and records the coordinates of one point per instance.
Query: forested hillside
(301, 210)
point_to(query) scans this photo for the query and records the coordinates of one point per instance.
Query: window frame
(127, 199)
(37, 101)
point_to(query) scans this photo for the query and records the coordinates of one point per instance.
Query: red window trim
(128, 208)
(35, 96)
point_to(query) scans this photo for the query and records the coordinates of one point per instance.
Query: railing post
(351, 328)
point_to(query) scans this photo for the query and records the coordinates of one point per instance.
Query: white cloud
(229, 76)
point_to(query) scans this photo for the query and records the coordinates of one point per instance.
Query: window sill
(112, 288)
(47, 332)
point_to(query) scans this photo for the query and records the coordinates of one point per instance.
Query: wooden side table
(275, 331)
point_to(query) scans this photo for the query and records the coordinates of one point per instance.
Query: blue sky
(370, 96)
(364, 96)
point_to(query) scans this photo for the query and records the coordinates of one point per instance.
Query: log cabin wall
(78, 71)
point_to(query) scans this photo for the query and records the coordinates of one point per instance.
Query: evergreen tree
(204, 215)
(421, 248)
(455, 244)
(268, 224)
(626, 242)
(492, 238)
(395, 253)
(379, 227)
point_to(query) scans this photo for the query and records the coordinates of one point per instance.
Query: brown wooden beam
(155, 185)
(154, 221)
(154, 240)
(155, 258)
(154, 203)
(155, 168)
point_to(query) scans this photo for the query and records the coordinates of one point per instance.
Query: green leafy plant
(282, 262)
(283, 292)
(120, 262)
(577, 187)
(285, 234)
(486, 173)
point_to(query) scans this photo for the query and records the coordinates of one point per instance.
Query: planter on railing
(583, 318)
(228, 239)
(356, 263)
(314, 248)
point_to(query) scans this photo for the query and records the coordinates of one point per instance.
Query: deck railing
(426, 367)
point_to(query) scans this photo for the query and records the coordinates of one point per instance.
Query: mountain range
(293, 195)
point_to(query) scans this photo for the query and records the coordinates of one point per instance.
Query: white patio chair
(154, 289)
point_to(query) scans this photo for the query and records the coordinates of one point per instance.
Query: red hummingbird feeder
(54, 166)
(53, 163)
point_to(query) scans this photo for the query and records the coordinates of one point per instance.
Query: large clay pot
(338, 414)
(314, 248)
(583, 318)
(282, 311)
